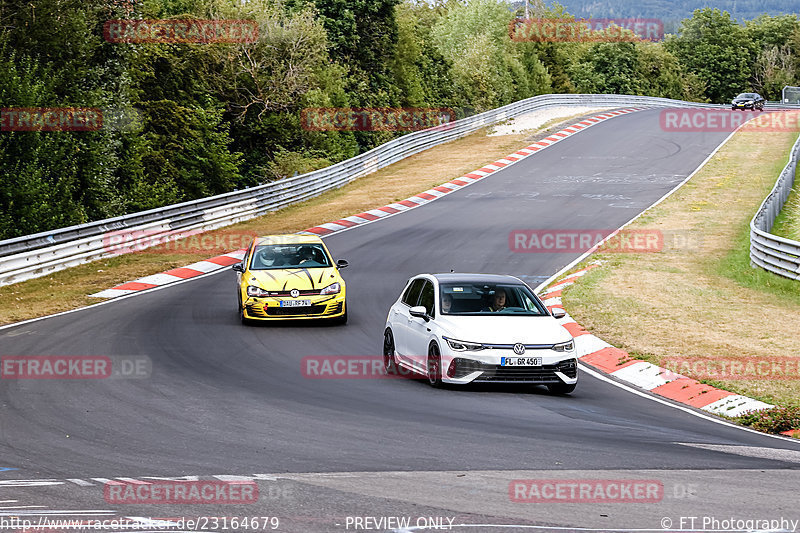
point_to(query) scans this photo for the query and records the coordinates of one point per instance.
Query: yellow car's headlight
(333, 288)
(258, 292)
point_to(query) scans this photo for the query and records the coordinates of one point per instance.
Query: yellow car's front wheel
(341, 319)
(246, 321)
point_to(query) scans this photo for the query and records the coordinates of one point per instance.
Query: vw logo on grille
(294, 293)
(519, 348)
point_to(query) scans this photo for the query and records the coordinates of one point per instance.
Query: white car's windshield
(279, 256)
(488, 299)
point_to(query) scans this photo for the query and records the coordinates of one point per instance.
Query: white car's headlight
(462, 346)
(333, 288)
(564, 346)
(258, 292)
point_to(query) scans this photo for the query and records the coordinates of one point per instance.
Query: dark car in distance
(748, 101)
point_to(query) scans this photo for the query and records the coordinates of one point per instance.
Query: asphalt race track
(225, 399)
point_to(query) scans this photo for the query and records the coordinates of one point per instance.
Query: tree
(776, 64)
(717, 50)
(773, 70)
(663, 76)
(487, 68)
(279, 67)
(363, 36)
(769, 32)
(608, 68)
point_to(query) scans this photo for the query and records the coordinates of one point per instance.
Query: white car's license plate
(521, 361)
(295, 303)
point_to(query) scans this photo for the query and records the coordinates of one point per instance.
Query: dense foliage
(184, 120)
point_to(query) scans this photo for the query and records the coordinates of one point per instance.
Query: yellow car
(290, 277)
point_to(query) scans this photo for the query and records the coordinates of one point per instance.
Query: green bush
(774, 420)
(287, 164)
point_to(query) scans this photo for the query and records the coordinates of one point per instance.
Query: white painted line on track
(107, 481)
(81, 482)
(777, 454)
(68, 512)
(25, 507)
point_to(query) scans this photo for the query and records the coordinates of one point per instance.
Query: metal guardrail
(771, 252)
(43, 253)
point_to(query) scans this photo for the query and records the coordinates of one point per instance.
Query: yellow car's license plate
(295, 303)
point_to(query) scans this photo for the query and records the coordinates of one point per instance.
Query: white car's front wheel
(434, 365)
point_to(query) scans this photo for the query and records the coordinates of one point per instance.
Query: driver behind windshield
(498, 301)
(306, 255)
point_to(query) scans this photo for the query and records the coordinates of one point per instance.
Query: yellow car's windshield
(280, 256)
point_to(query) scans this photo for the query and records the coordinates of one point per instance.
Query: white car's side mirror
(419, 312)
(559, 313)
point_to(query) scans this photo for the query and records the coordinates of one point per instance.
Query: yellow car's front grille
(296, 311)
(259, 311)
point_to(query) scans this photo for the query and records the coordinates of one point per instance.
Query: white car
(470, 328)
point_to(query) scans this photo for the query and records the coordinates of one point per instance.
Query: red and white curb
(174, 275)
(216, 263)
(618, 363)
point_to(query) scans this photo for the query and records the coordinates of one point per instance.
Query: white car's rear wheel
(389, 361)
